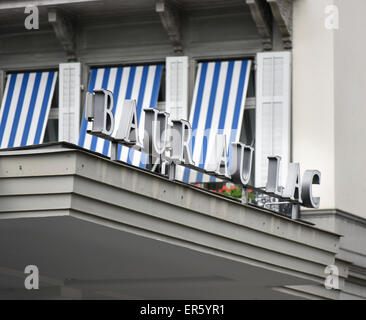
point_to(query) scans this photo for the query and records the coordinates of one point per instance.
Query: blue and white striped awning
(25, 108)
(217, 108)
(140, 83)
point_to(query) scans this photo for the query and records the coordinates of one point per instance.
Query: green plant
(236, 192)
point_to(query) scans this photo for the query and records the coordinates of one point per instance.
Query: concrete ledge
(63, 180)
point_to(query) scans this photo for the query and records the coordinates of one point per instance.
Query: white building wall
(313, 140)
(350, 107)
(329, 83)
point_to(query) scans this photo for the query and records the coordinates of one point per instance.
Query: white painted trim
(5, 5)
(75, 104)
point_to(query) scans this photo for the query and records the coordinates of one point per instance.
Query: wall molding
(334, 212)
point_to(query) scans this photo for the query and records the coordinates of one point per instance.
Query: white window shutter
(176, 103)
(69, 102)
(273, 112)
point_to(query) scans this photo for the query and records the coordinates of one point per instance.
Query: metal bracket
(171, 171)
(295, 208)
(244, 196)
(114, 151)
(295, 212)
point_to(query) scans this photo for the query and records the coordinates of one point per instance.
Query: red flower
(250, 191)
(197, 185)
(233, 188)
(220, 190)
(225, 188)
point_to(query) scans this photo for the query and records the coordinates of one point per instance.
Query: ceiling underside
(98, 262)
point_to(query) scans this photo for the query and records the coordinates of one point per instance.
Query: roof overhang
(102, 229)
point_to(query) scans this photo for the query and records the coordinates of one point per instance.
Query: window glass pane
(161, 96)
(248, 129)
(51, 134)
(54, 103)
(251, 85)
(247, 135)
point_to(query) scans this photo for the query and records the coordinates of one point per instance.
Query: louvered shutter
(273, 94)
(177, 87)
(69, 102)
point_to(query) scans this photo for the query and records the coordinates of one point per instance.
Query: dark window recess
(51, 133)
(251, 85)
(161, 96)
(248, 128)
(54, 102)
(247, 135)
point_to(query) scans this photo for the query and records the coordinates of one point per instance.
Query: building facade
(289, 71)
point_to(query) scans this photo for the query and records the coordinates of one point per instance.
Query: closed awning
(140, 83)
(217, 108)
(25, 108)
